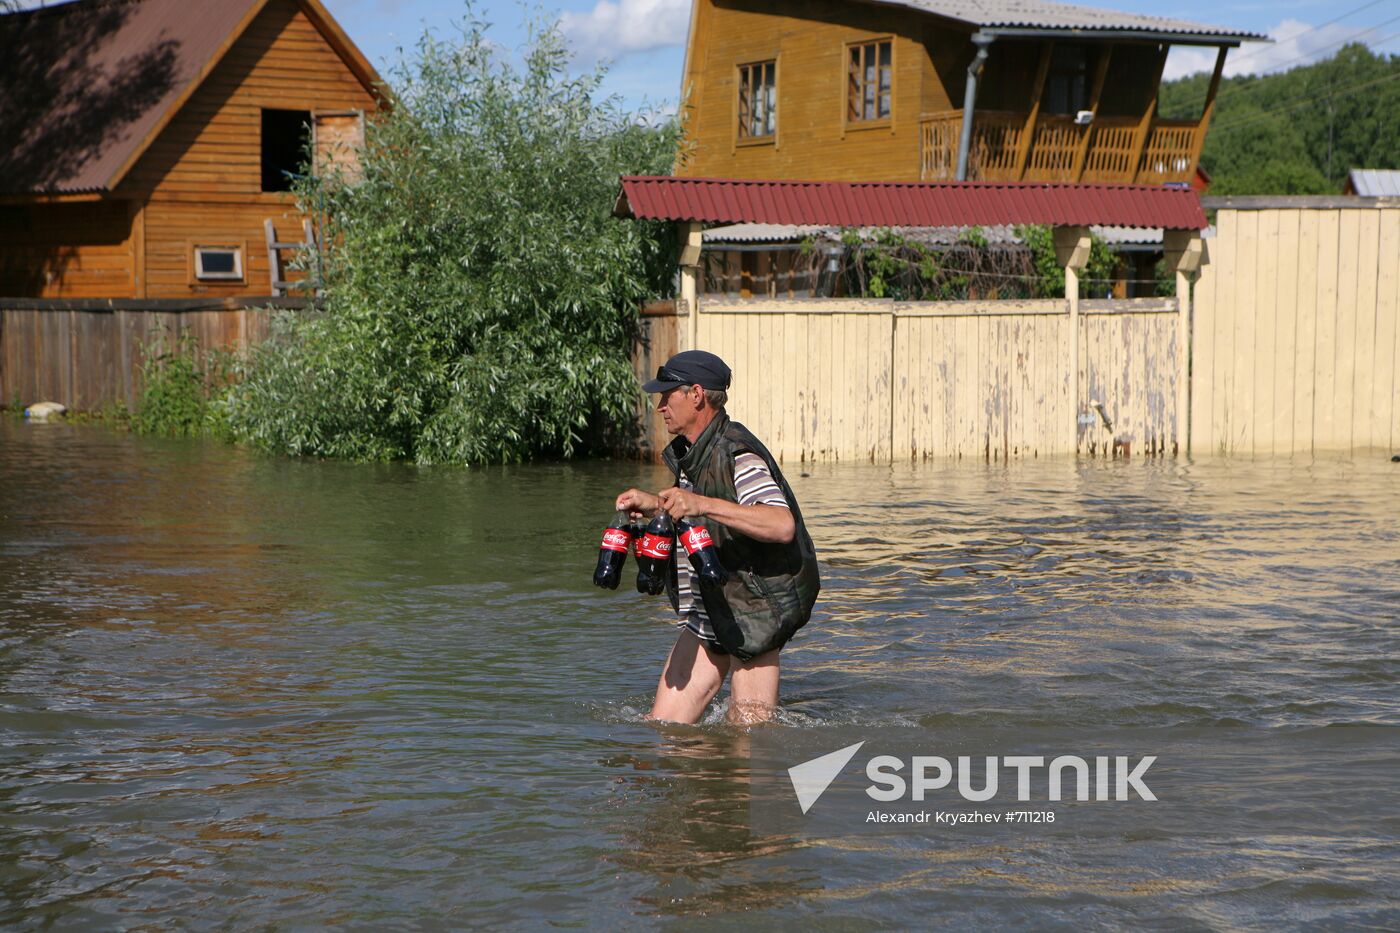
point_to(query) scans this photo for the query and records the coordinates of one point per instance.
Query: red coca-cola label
(616, 539)
(655, 546)
(696, 538)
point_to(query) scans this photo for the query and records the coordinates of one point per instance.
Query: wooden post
(137, 212)
(1072, 246)
(1082, 156)
(1185, 254)
(1209, 108)
(690, 240)
(1023, 151)
(1144, 130)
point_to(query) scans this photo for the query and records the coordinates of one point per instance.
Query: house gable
(86, 83)
(211, 148)
(85, 87)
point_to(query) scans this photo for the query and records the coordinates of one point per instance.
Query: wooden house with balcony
(934, 90)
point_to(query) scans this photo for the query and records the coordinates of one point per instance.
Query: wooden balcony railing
(1006, 147)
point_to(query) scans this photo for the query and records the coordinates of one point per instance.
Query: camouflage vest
(772, 587)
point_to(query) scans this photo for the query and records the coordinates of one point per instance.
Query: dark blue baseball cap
(690, 368)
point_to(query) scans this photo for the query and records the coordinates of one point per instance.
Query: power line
(1227, 95)
(1341, 92)
(1351, 38)
(1335, 19)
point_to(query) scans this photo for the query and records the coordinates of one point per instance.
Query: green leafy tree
(1299, 131)
(480, 300)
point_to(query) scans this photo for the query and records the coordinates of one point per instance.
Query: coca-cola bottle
(612, 553)
(653, 553)
(704, 556)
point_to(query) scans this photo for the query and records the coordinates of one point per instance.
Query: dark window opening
(1067, 84)
(286, 139)
(1128, 88)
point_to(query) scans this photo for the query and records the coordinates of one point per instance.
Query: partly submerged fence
(850, 379)
(1293, 347)
(87, 353)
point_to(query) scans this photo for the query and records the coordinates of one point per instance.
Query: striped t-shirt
(754, 485)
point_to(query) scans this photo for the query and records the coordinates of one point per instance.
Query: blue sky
(644, 39)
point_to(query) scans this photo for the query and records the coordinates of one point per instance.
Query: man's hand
(684, 502)
(637, 504)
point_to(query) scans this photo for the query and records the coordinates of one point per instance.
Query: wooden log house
(885, 91)
(146, 146)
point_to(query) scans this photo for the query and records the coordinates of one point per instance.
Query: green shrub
(1095, 279)
(480, 300)
(181, 390)
(884, 263)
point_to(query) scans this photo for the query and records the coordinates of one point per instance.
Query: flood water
(250, 692)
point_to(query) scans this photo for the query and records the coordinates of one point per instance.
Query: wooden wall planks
(813, 138)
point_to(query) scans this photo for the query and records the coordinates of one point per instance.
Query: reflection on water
(241, 691)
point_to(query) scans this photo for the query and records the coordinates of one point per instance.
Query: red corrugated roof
(906, 204)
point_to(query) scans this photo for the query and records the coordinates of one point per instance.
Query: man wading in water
(726, 477)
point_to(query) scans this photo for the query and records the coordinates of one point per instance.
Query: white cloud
(612, 30)
(1295, 43)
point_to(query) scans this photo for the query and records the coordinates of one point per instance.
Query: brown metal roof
(84, 85)
(906, 204)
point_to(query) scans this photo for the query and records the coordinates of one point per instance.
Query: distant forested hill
(1299, 131)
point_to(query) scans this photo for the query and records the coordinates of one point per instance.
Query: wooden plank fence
(1293, 347)
(87, 354)
(879, 380)
(1295, 336)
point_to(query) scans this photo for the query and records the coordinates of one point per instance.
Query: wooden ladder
(274, 255)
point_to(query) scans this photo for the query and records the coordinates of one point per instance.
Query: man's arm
(761, 522)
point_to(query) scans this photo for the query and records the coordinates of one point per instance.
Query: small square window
(758, 100)
(218, 263)
(870, 81)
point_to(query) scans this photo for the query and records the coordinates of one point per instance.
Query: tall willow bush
(480, 298)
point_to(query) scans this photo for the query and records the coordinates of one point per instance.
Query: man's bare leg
(753, 689)
(690, 680)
